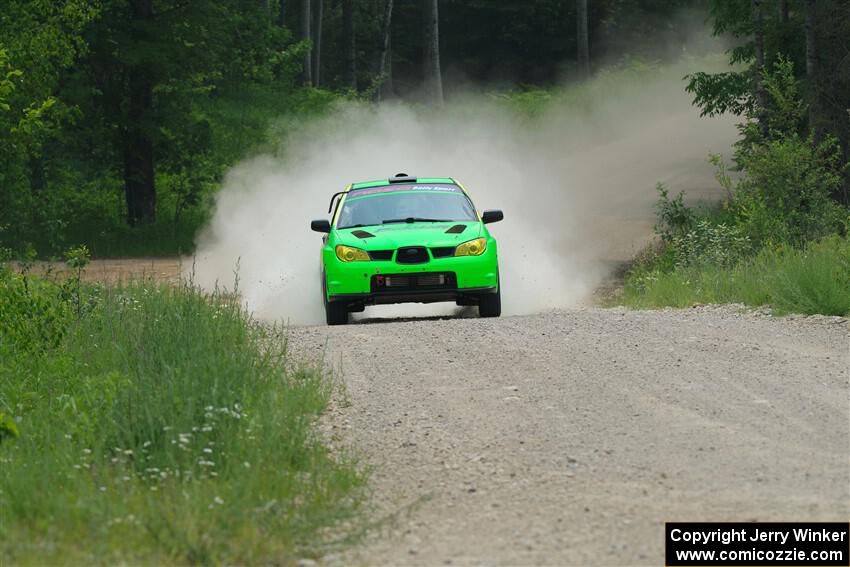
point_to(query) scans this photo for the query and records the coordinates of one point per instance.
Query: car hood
(392, 236)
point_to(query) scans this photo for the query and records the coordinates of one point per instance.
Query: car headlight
(472, 248)
(351, 254)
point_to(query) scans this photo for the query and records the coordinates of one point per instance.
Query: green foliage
(35, 316)
(77, 258)
(8, 427)
(787, 112)
(7, 76)
(777, 208)
(783, 114)
(825, 89)
(812, 280)
(785, 194)
(721, 93)
(167, 427)
(780, 211)
(708, 243)
(675, 219)
(70, 122)
(816, 280)
(777, 239)
(690, 238)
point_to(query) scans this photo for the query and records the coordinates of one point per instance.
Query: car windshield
(409, 203)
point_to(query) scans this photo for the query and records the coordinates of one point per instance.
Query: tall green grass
(812, 280)
(160, 425)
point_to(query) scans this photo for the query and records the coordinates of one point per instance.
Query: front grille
(381, 254)
(412, 255)
(398, 281)
(413, 282)
(443, 251)
(431, 279)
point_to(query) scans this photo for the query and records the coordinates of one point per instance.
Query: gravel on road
(570, 437)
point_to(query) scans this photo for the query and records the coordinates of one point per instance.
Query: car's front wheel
(336, 313)
(490, 304)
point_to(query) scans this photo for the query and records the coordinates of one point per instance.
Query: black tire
(335, 313)
(490, 304)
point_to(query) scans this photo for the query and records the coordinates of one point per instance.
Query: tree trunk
(385, 45)
(812, 65)
(389, 87)
(281, 14)
(317, 44)
(432, 74)
(350, 44)
(783, 12)
(37, 178)
(137, 146)
(758, 47)
(583, 42)
(306, 24)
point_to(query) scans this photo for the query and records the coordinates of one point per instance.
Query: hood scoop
(362, 234)
(456, 229)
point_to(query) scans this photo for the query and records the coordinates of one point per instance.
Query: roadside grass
(812, 280)
(159, 424)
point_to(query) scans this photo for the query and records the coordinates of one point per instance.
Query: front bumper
(469, 296)
(354, 282)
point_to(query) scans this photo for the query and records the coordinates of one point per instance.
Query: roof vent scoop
(402, 178)
(456, 229)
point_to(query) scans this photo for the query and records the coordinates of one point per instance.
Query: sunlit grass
(814, 280)
(166, 427)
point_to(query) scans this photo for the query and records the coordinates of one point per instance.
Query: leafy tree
(813, 36)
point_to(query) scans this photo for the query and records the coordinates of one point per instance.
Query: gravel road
(569, 438)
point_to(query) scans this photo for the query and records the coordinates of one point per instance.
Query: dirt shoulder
(118, 269)
(570, 437)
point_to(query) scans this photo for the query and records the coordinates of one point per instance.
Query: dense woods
(119, 117)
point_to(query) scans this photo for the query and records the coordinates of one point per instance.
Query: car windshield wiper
(354, 226)
(413, 219)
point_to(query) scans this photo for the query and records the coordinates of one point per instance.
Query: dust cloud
(576, 182)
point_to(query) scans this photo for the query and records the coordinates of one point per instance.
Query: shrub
(707, 243)
(34, 314)
(674, 217)
(784, 196)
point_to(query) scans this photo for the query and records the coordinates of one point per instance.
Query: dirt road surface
(118, 269)
(569, 438)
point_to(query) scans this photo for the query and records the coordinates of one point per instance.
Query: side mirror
(494, 215)
(321, 225)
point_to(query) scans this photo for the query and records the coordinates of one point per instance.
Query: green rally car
(407, 239)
